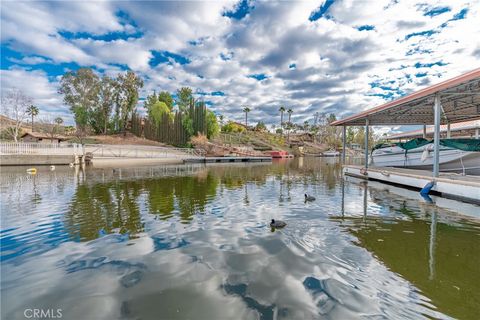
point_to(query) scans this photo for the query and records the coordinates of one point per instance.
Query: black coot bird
(277, 224)
(309, 198)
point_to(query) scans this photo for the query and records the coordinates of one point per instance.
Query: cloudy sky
(338, 56)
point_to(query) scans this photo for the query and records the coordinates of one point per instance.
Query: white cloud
(36, 85)
(335, 63)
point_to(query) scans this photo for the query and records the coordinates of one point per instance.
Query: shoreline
(132, 162)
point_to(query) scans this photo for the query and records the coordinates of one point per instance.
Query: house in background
(42, 138)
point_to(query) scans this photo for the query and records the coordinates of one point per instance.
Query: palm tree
(33, 112)
(282, 110)
(246, 109)
(290, 111)
(58, 121)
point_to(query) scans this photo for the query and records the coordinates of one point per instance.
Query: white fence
(40, 148)
(98, 150)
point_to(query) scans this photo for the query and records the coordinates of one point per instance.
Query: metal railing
(40, 148)
(136, 151)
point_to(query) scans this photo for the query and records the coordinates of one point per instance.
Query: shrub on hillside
(232, 127)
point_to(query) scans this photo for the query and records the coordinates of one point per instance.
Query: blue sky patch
(258, 76)
(292, 66)
(461, 15)
(125, 18)
(160, 57)
(426, 33)
(421, 74)
(10, 59)
(417, 50)
(217, 93)
(436, 11)
(226, 56)
(111, 36)
(429, 65)
(366, 28)
(241, 10)
(385, 96)
(321, 11)
(458, 16)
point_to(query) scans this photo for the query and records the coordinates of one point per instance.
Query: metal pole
(424, 131)
(344, 143)
(366, 143)
(436, 136)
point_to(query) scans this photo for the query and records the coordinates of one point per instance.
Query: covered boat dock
(447, 103)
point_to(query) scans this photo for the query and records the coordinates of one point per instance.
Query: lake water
(194, 242)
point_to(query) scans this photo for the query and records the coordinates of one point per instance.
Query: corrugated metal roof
(454, 127)
(460, 99)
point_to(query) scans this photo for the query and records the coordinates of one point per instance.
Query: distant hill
(6, 122)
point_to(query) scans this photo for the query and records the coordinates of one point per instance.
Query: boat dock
(450, 185)
(227, 159)
(446, 103)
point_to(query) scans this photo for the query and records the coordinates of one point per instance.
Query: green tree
(282, 110)
(246, 109)
(260, 126)
(33, 112)
(166, 97)
(331, 117)
(233, 127)
(150, 100)
(212, 125)
(156, 111)
(184, 98)
(350, 134)
(126, 98)
(80, 92)
(306, 126)
(100, 115)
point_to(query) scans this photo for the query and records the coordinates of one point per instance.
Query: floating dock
(227, 159)
(281, 155)
(451, 185)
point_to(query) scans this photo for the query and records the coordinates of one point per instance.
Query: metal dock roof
(459, 97)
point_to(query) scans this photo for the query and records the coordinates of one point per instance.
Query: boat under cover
(456, 155)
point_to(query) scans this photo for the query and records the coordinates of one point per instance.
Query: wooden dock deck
(451, 185)
(227, 159)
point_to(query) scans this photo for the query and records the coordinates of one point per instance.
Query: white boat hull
(451, 160)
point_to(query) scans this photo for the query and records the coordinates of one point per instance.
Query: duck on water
(309, 198)
(277, 224)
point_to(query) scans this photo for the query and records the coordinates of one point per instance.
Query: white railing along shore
(98, 150)
(40, 148)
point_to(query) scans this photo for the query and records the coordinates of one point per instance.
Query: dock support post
(344, 143)
(424, 131)
(366, 142)
(436, 136)
(448, 130)
(477, 133)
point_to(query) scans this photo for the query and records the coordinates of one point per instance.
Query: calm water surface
(194, 242)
